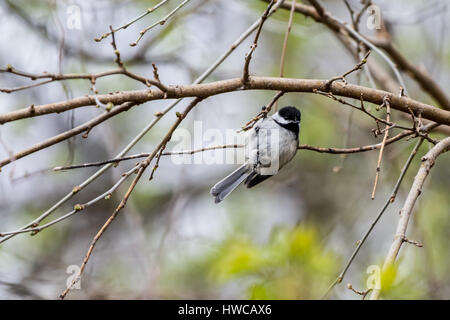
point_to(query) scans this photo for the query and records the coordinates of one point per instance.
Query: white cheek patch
(280, 119)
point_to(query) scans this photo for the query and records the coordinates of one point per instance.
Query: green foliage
(418, 271)
(292, 265)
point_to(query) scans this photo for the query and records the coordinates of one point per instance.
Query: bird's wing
(254, 179)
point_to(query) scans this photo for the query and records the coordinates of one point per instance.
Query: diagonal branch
(249, 54)
(390, 200)
(85, 127)
(405, 213)
(142, 166)
(285, 42)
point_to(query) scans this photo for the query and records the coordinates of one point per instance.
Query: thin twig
(285, 41)
(226, 146)
(362, 109)
(386, 103)
(363, 294)
(156, 166)
(143, 155)
(77, 208)
(355, 68)
(52, 77)
(248, 56)
(367, 4)
(262, 114)
(116, 51)
(352, 14)
(126, 25)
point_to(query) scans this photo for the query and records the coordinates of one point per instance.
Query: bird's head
(288, 115)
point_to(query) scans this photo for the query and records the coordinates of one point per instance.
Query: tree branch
(404, 104)
(86, 127)
(235, 146)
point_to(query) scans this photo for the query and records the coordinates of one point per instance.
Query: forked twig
(355, 68)
(262, 114)
(160, 22)
(126, 25)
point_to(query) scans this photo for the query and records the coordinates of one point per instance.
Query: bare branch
(59, 77)
(255, 83)
(363, 294)
(77, 208)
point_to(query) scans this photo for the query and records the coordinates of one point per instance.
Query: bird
(269, 145)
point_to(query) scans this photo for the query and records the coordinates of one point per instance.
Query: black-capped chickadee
(269, 145)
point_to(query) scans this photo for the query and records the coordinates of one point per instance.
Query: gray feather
(269, 146)
(225, 186)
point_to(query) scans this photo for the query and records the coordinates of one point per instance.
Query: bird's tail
(225, 186)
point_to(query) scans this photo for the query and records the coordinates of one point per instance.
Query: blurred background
(288, 238)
